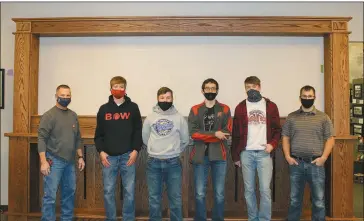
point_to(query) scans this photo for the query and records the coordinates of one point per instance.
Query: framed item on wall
(2, 89)
(358, 91)
(358, 129)
(356, 50)
(357, 110)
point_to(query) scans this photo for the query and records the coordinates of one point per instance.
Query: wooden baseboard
(101, 217)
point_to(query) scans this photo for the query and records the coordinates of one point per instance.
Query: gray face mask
(254, 95)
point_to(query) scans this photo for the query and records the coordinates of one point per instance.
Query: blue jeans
(315, 176)
(62, 173)
(128, 183)
(168, 171)
(251, 162)
(218, 173)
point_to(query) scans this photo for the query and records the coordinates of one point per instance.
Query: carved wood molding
(28, 30)
(23, 27)
(339, 26)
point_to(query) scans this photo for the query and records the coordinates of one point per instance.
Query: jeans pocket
(175, 161)
(150, 159)
(109, 159)
(318, 174)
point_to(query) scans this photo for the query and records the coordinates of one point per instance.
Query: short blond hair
(117, 80)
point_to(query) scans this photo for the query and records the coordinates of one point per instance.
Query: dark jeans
(168, 171)
(315, 176)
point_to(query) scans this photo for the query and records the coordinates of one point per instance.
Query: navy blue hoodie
(118, 128)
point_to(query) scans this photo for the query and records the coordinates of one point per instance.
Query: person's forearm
(286, 147)
(329, 144)
(79, 152)
(42, 157)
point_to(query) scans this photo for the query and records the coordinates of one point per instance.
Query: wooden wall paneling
(80, 197)
(33, 74)
(185, 182)
(22, 83)
(87, 123)
(25, 76)
(18, 178)
(337, 107)
(92, 190)
(34, 179)
(282, 186)
(340, 84)
(342, 179)
(26, 120)
(181, 26)
(87, 126)
(41, 190)
(99, 187)
(234, 209)
(141, 188)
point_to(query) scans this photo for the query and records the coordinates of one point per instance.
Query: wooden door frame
(334, 31)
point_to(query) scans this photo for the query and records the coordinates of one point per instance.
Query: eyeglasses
(210, 89)
(307, 97)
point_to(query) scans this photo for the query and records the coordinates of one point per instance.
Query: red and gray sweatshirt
(216, 147)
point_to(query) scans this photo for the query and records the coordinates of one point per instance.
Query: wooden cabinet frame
(334, 31)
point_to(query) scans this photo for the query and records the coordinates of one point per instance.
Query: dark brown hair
(252, 80)
(210, 80)
(307, 88)
(164, 90)
(64, 86)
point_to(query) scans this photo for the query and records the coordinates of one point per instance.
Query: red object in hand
(49, 161)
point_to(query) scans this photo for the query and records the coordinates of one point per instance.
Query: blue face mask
(64, 102)
(254, 95)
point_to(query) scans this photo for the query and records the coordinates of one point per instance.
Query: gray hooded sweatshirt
(165, 133)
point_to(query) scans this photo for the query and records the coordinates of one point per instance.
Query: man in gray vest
(59, 139)
(308, 138)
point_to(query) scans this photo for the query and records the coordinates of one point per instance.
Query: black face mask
(307, 103)
(164, 105)
(254, 95)
(210, 96)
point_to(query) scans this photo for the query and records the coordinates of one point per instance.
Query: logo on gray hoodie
(163, 127)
